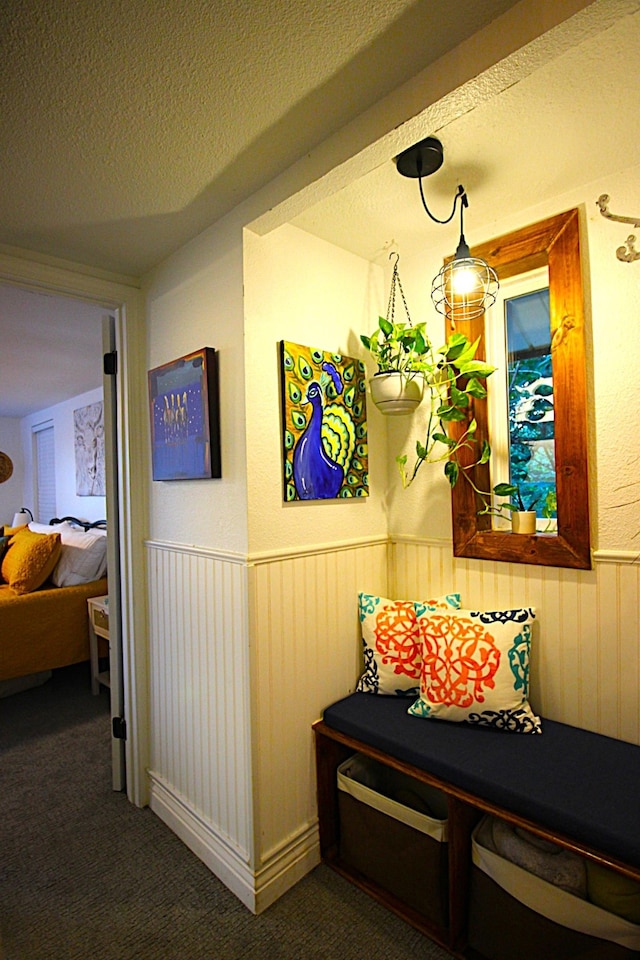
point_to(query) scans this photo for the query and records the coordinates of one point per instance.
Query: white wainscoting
(246, 652)
(586, 648)
(307, 655)
(200, 713)
(244, 656)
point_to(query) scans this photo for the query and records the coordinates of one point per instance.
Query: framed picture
(324, 424)
(185, 420)
(88, 438)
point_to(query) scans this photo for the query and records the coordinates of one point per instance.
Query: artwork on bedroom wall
(324, 424)
(185, 419)
(88, 429)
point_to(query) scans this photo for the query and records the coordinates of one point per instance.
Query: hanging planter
(399, 350)
(409, 366)
(394, 393)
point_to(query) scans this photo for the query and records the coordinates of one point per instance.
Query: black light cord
(460, 195)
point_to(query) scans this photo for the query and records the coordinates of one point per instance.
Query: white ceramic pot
(395, 394)
(523, 521)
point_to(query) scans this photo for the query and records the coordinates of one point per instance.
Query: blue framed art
(185, 419)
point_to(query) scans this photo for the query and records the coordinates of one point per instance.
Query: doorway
(124, 302)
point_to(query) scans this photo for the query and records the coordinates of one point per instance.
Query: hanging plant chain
(395, 281)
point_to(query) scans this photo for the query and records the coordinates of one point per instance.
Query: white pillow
(83, 558)
(48, 527)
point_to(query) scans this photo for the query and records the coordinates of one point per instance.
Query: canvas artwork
(185, 422)
(324, 422)
(88, 425)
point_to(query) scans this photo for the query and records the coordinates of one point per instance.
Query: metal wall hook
(626, 253)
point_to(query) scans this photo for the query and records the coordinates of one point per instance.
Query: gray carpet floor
(85, 875)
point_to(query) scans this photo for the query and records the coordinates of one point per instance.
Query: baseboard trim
(257, 891)
(229, 865)
(293, 860)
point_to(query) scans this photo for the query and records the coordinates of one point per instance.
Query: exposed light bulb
(464, 279)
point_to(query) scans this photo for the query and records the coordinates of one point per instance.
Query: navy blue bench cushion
(577, 783)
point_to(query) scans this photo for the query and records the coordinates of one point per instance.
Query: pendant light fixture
(465, 286)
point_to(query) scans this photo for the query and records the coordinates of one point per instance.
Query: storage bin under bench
(578, 789)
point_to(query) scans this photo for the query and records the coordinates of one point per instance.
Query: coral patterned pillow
(391, 641)
(475, 667)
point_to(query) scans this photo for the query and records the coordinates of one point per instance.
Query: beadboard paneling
(585, 665)
(200, 730)
(306, 655)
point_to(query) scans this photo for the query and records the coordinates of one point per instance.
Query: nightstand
(98, 627)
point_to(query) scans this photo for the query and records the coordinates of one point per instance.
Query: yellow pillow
(10, 531)
(30, 559)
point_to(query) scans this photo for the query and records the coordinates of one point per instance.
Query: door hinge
(119, 726)
(110, 363)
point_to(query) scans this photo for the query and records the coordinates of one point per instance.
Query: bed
(44, 622)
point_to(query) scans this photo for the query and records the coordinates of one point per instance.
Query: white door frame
(123, 296)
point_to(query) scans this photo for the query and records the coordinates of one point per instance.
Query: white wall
(12, 490)
(67, 502)
(253, 624)
(307, 291)
(586, 644)
(195, 301)
(613, 350)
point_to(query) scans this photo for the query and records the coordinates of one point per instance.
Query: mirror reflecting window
(535, 414)
(520, 400)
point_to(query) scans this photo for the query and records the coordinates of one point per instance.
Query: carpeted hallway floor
(85, 875)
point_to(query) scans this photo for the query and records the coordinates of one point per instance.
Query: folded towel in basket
(546, 860)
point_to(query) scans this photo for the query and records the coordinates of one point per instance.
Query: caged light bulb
(464, 279)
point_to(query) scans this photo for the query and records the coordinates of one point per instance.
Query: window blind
(45, 472)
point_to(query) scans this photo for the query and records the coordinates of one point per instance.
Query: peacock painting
(324, 424)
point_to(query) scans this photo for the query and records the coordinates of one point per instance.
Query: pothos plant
(452, 378)
(398, 347)
(518, 502)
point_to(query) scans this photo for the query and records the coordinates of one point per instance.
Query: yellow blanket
(46, 629)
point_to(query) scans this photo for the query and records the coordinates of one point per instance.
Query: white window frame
(498, 384)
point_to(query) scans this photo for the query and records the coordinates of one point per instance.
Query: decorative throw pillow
(10, 531)
(475, 667)
(36, 527)
(30, 559)
(83, 558)
(391, 641)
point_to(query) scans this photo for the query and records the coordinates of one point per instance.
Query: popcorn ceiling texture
(130, 127)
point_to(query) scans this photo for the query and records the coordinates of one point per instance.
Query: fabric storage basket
(393, 831)
(513, 912)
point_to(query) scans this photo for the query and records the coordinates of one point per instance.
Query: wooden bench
(575, 788)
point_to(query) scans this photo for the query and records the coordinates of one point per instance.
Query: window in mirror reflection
(521, 408)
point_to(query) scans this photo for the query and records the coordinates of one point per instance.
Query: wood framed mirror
(554, 243)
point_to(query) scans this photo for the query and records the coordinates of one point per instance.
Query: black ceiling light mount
(466, 286)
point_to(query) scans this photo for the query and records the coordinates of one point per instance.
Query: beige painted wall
(611, 292)
(267, 657)
(195, 301)
(61, 418)
(12, 490)
(307, 291)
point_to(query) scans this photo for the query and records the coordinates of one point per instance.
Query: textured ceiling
(111, 163)
(126, 128)
(129, 126)
(571, 121)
